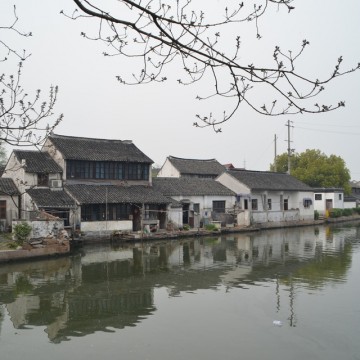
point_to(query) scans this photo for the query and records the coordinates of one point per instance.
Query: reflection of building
(114, 288)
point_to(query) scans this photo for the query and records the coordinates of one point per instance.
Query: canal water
(276, 294)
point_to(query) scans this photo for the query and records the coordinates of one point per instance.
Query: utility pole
(289, 148)
(275, 153)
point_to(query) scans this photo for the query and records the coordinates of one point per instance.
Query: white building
(202, 200)
(266, 196)
(194, 168)
(326, 199)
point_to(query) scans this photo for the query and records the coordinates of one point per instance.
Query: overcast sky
(158, 118)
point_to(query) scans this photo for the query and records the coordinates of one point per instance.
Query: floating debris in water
(277, 323)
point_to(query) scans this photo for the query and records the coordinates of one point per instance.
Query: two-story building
(36, 172)
(96, 185)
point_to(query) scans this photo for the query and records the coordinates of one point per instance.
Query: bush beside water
(335, 213)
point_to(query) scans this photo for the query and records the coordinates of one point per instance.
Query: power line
(327, 125)
(328, 131)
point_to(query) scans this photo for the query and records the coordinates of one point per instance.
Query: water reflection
(112, 288)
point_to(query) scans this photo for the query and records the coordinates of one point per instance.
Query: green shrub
(335, 213)
(211, 227)
(357, 210)
(347, 212)
(316, 215)
(22, 232)
(186, 227)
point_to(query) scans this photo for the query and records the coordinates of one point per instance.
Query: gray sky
(158, 118)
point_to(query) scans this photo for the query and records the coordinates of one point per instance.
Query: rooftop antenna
(289, 149)
(275, 152)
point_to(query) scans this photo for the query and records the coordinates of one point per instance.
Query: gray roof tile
(210, 167)
(88, 149)
(38, 161)
(46, 198)
(266, 180)
(8, 187)
(190, 187)
(113, 194)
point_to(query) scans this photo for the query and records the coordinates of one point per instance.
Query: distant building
(191, 168)
(355, 191)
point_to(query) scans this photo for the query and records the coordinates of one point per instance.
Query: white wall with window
(326, 199)
(199, 208)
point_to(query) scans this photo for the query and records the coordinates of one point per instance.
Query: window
(2, 209)
(254, 204)
(107, 170)
(197, 208)
(340, 196)
(286, 204)
(307, 203)
(269, 204)
(43, 179)
(219, 206)
(318, 196)
(246, 204)
(97, 212)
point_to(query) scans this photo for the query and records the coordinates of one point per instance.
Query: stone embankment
(38, 248)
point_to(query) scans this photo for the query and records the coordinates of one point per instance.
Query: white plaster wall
(175, 216)
(44, 228)
(275, 216)
(232, 184)
(55, 154)
(349, 204)
(243, 218)
(305, 213)
(12, 211)
(15, 171)
(168, 170)
(320, 205)
(106, 226)
(338, 203)
(206, 202)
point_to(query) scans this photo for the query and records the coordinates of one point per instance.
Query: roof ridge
(88, 138)
(178, 158)
(258, 171)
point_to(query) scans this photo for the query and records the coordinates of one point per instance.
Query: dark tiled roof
(210, 167)
(51, 198)
(327, 190)
(112, 194)
(266, 180)
(350, 198)
(8, 187)
(79, 148)
(190, 187)
(38, 161)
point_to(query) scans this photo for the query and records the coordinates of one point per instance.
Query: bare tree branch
(23, 118)
(158, 33)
